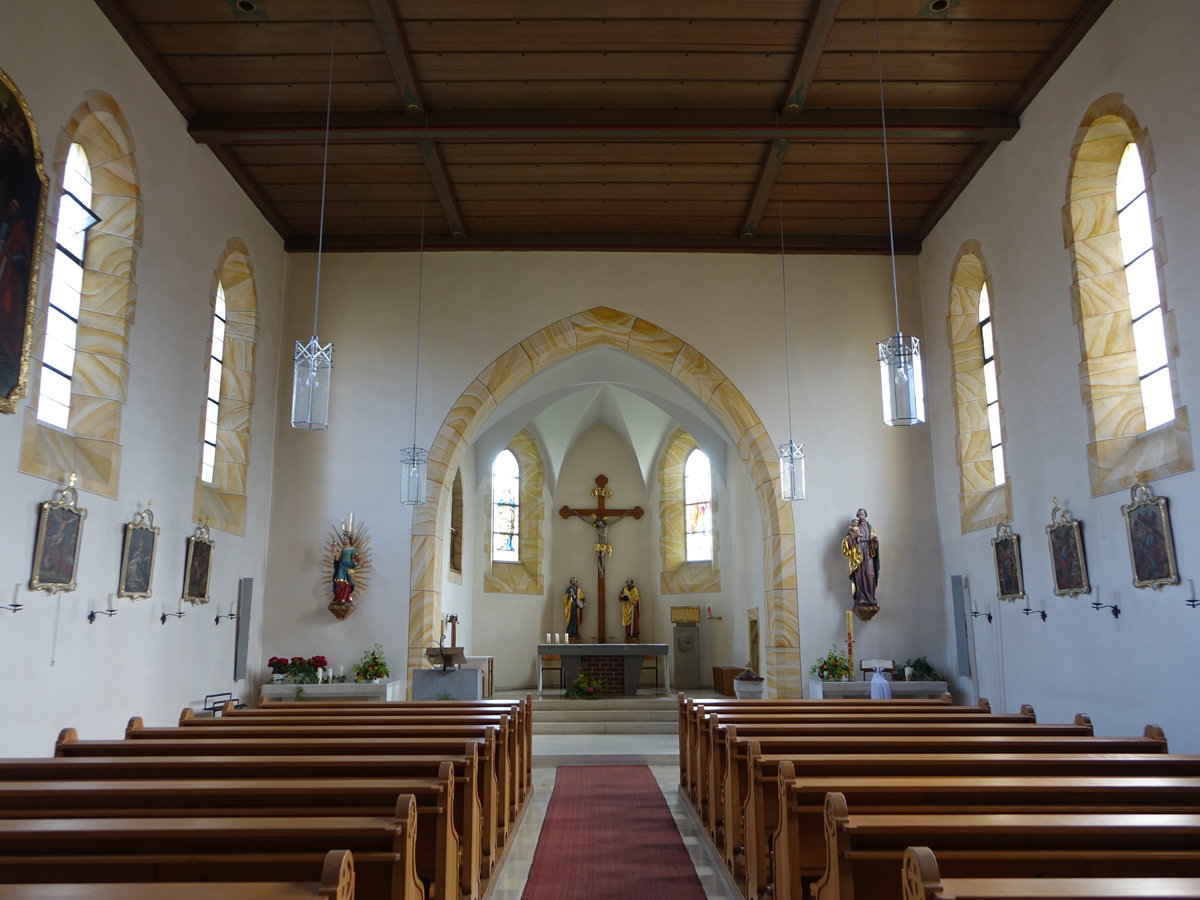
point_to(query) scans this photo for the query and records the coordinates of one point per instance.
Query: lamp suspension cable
(312, 362)
(414, 459)
(791, 455)
(900, 369)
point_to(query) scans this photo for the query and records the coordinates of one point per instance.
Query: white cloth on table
(881, 688)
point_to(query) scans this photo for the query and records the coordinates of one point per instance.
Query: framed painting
(1006, 549)
(56, 549)
(137, 558)
(1151, 546)
(198, 566)
(22, 208)
(1066, 554)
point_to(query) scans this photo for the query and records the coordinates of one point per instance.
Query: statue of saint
(860, 546)
(631, 611)
(573, 604)
(345, 561)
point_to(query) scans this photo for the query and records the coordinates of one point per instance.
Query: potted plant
(372, 667)
(297, 669)
(585, 686)
(833, 666)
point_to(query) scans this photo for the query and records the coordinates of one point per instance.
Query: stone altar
(630, 657)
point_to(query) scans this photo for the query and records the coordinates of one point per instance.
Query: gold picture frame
(1068, 565)
(197, 567)
(137, 556)
(23, 190)
(1006, 551)
(56, 549)
(1151, 545)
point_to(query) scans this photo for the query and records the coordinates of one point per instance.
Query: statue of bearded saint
(631, 610)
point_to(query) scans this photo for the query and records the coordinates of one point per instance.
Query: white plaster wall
(1125, 672)
(476, 305)
(65, 671)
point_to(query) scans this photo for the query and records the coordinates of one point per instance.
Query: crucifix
(601, 518)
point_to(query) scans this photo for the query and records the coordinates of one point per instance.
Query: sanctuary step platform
(621, 715)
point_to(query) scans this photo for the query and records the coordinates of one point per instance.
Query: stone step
(604, 727)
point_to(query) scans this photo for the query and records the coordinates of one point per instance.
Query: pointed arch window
(991, 386)
(697, 507)
(506, 508)
(212, 410)
(75, 217)
(1141, 279)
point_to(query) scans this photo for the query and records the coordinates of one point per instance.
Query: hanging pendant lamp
(900, 373)
(312, 362)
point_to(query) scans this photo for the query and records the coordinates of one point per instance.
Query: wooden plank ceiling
(634, 124)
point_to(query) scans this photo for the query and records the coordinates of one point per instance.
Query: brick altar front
(615, 663)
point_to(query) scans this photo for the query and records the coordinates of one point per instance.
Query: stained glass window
(506, 508)
(66, 289)
(1141, 278)
(697, 507)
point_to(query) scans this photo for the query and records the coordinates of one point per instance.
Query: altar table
(630, 657)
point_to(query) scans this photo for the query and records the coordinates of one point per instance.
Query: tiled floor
(659, 751)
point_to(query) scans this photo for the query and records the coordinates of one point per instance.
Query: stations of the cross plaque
(601, 517)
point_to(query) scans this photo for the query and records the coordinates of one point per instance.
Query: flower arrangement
(922, 670)
(297, 669)
(372, 665)
(585, 685)
(833, 666)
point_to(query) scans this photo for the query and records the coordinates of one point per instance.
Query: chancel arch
(558, 341)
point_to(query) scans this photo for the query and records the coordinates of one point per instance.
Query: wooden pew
(727, 772)
(245, 848)
(864, 852)
(522, 709)
(689, 715)
(797, 845)
(923, 881)
(494, 832)
(337, 883)
(508, 756)
(709, 751)
(468, 819)
(437, 844)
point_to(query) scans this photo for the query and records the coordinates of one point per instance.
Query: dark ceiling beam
(684, 243)
(1084, 20)
(767, 175)
(812, 45)
(395, 47)
(119, 16)
(162, 75)
(921, 126)
(961, 179)
(436, 167)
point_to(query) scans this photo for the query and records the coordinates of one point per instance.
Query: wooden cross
(599, 518)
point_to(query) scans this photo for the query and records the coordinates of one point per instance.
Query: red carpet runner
(608, 834)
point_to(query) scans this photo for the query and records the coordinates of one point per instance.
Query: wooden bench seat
(795, 838)
(727, 775)
(337, 883)
(438, 850)
(247, 848)
(923, 881)
(370, 755)
(864, 853)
